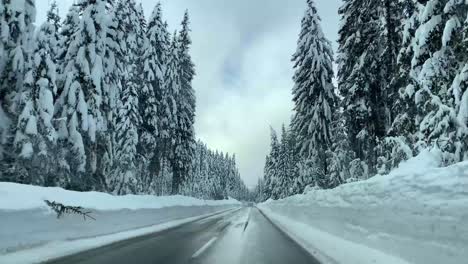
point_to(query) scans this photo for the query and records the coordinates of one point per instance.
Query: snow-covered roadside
(57, 249)
(417, 214)
(27, 224)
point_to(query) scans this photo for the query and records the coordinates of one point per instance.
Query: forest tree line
(103, 100)
(401, 89)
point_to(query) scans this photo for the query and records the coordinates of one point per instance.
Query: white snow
(332, 249)
(15, 196)
(450, 27)
(416, 214)
(21, 205)
(26, 150)
(57, 249)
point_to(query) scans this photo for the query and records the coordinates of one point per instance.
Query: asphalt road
(243, 236)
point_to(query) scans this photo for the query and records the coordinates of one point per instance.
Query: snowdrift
(27, 224)
(416, 214)
(22, 197)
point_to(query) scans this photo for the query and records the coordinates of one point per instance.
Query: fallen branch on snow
(61, 209)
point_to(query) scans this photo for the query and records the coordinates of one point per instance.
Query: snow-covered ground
(416, 214)
(28, 226)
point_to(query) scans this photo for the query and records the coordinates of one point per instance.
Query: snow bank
(418, 213)
(22, 197)
(57, 249)
(27, 223)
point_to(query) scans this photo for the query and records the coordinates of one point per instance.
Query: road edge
(28, 255)
(309, 249)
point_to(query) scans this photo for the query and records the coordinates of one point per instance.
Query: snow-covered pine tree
(68, 28)
(185, 100)
(340, 154)
(391, 17)
(155, 49)
(402, 134)
(72, 107)
(112, 70)
(460, 84)
(89, 92)
(17, 32)
(293, 161)
(187, 73)
(170, 121)
(37, 131)
(281, 190)
(69, 156)
(271, 168)
(266, 191)
(457, 12)
(359, 77)
(313, 93)
(54, 20)
(125, 179)
(436, 63)
(46, 50)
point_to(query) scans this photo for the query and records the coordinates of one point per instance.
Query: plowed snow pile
(416, 214)
(28, 227)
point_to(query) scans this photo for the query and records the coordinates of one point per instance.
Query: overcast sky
(242, 51)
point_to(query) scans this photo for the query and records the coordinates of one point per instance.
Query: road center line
(204, 248)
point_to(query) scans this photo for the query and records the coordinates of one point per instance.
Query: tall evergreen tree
(152, 147)
(359, 77)
(89, 91)
(271, 168)
(436, 61)
(185, 101)
(170, 122)
(16, 46)
(340, 154)
(402, 134)
(37, 135)
(284, 160)
(130, 35)
(70, 156)
(313, 93)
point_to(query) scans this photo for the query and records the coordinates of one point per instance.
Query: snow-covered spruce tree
(271, 168)
(89, 93)
(151, 147)
(72, 108)
(69, 156)
(457, 11)
(55, 25)
(313, 93)
(340, 154)
(47, 41)
(185, 101)
(125, 178)
(266, 191)
(106, 144)
(436, 63)
(196, 173)
(359, 77)
(293, 161)
(391, 17)
(187, 73)
(170, 121)
(258, 191)
(16, 46)
(460, 92)
(36, 130)
(284, 160)
(401, 136)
